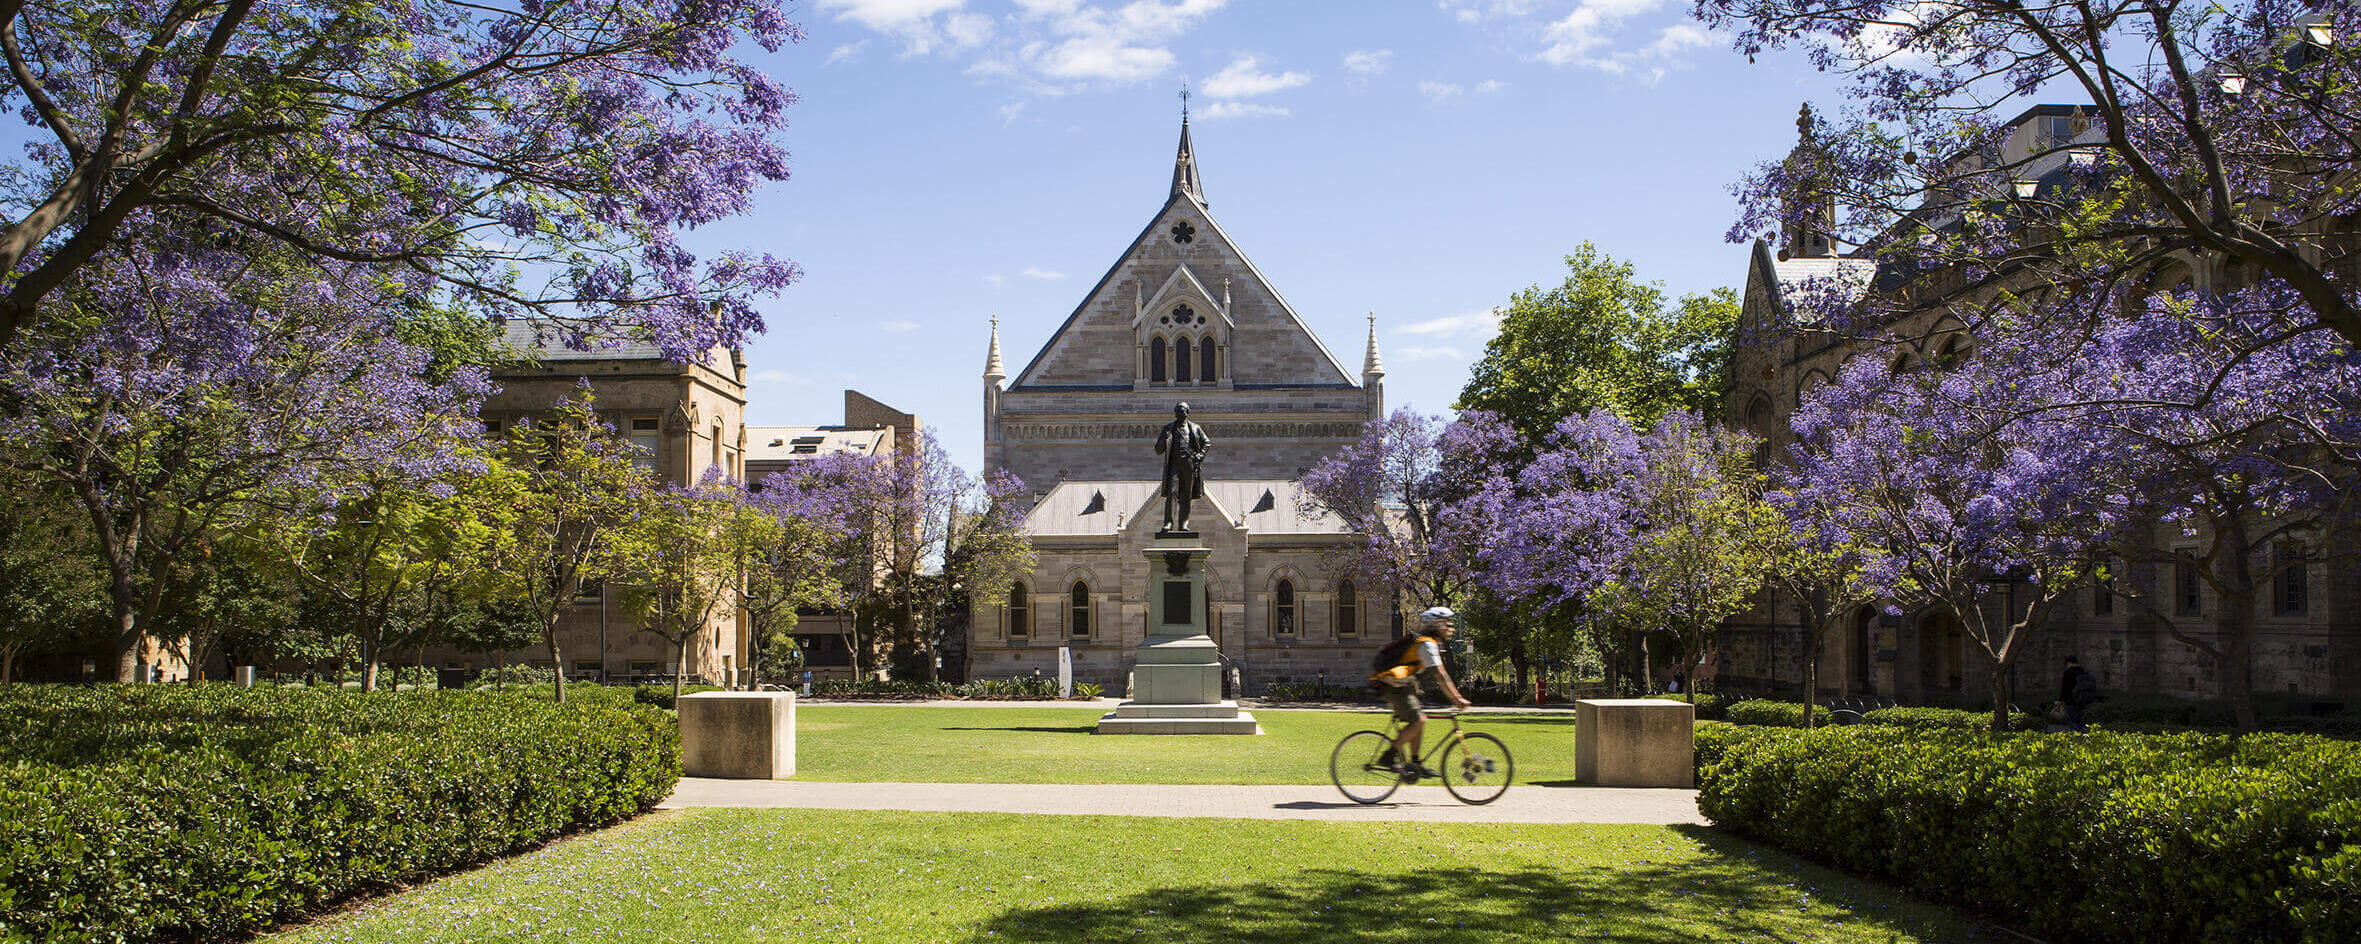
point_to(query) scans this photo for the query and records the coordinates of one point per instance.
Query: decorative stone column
(1176, 671)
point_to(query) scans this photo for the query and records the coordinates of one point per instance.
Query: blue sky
(957, 159)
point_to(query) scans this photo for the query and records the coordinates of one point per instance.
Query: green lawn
(1055, 745)
(814, 875)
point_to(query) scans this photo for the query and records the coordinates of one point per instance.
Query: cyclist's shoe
(1421, 771)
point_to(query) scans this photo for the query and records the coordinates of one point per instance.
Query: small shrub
(1949, 719)
(1088, 689)
(1316, 692)
(1710, 707)
(1766, 713)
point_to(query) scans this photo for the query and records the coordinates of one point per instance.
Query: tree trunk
(8, 663)
(682, 660)
(557, 656)
(2002, 691)
(1524, 668)
(126, 644)
(1811, 688)
(2235, 625)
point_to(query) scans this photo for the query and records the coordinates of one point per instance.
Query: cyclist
(1400, 681)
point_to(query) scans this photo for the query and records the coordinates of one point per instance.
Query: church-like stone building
(2308, 646)
(1182, 316)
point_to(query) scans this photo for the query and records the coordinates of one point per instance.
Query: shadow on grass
(1626, 904)
(1038, 729)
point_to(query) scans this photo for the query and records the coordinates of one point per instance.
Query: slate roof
(1090, 508)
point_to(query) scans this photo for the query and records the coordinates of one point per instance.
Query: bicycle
(1476, 767)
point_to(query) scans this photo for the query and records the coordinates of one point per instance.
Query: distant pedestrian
(2077, 689)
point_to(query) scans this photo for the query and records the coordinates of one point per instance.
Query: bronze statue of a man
(1182, 444)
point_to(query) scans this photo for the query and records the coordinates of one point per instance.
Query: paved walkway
(1110, 704)
(1524, 803)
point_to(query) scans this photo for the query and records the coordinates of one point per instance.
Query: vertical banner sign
(1065, 672)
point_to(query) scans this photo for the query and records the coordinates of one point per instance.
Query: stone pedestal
(738, 735)
(1635, 742)
(1176, 671)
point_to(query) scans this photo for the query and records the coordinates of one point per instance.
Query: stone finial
(1184, 165)
(1373, 365)
(993, 369)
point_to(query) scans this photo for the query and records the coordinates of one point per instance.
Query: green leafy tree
(1603, 340)
(388, 552)
(580, 485)
(683, 560)
(49, 594)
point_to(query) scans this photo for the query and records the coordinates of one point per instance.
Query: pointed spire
(1373, 365)
(1184, 166)
(993, 369)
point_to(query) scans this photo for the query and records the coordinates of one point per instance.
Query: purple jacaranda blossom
(2203, 129)
(179, 390)
(540, 160)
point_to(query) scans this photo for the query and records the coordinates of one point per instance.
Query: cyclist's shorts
(1404, 699)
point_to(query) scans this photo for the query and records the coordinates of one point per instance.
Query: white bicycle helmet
(1436, 614)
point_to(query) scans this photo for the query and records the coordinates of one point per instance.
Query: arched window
(1758, 421)
(1182, 362)
(1283, 609)
(1156, 360)
(1205, 360)
(1955, 352)
(1078, 611)
(1020, 616)
(1348, 610)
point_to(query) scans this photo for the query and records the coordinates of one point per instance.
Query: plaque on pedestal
(1176, 671)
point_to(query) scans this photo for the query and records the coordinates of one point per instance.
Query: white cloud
(1010, 111)
(1047, 47)
(1098, 58)
(1438, 91)
(898, 326)
(1036, 272)
(1600, 34)
(1241, 79)
(1479, 324)
(995, 279)
(846, 52)
(1489, 86)
(1476, 11)
(1368, 62)
(1219, 110)
(1590, 26)
(1430, 353)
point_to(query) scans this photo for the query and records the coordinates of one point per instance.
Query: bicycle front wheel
(1357, 767)
(1476, 768)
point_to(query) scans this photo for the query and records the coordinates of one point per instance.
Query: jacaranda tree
(1955, 505)
(528, 156)
(169, 394)
(2221, 130)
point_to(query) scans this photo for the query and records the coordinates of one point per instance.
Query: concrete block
(1635, 742)
(738, 735)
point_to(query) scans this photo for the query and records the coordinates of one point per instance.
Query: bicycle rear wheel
(1476, 768)
(1356, 767)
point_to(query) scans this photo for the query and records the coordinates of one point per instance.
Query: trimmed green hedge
(1710, 707)
(1945, 719)
(2097, 837)
(132, 812)
(1767, 713)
